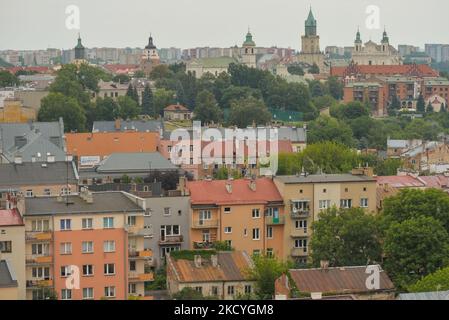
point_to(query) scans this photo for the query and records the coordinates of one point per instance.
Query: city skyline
(279, 23)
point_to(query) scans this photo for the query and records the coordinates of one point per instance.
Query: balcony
(167, 240)
(140, 254)
(200, 224)
(272, 221)
(31, 284)
(300, 213)
(299, 252)
(39, 259)
(38, 235)
(140, 277)
(138, 231)
(202, 245)
(299, 233)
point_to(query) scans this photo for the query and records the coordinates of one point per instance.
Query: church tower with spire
(150, 57)
(310, 53)
(80, 51)
(249, 51)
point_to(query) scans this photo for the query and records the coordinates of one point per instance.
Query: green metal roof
(249, 42)
(220, 62)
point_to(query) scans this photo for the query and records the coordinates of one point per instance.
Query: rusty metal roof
(341, 280)
(232, 266)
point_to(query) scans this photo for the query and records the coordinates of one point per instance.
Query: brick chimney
(117, 124)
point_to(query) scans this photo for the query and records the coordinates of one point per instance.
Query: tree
(132, 93)
(349, 111)
(147, 100)
(188, 293)
(329, 129)
(388, 167)
(421, 105)
(415, 248)
(265, 272)
(295, 69)
(316, 88)
(248, 110)
(127, 108)
(429, 108)
(139, 74)
(345, 237)
(103, 110)
(437, 281)
(162, 98)
(56, 105)
(323, 102)
(443, 107)
(206, 109)
(335, 88)
(160, 72)
(314, 69)
(395, 105)
(7, 79)
(233, 93)
(121, 78)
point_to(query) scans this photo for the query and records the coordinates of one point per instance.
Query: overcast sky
(38, 24)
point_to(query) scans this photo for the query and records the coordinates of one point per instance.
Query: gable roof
(215, 192)
(421, 70)
(35, 173)
(176, 108)
(135, 162)
(232, 266)
(337, 280)
(129, 125)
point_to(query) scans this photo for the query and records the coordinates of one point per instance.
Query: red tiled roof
(14, 70)
(400, 181)
(215, 192)
(120, 68)
(435, 181)
(422, 69)
(10, 217)
(337, 280)
(176, 107)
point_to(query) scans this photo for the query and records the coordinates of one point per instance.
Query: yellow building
(306, 196)
(13, 111)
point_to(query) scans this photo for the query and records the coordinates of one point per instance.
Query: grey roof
(35, 173)
(436, 295)
(135, 125)
(103, 202)
(7, 276)
(135, 162)
(420, 149)
(397, 144)
(38, 139)
(324, 178)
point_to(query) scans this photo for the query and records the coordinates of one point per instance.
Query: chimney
(18, 160)
(316, 295)
(282, 288)
(117, 124)
(197, 261)
(182, 185)
(228, 187)
(324, 264)
(214, 260)
(252, 185)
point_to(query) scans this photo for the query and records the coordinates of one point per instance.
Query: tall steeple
(385, 38)
(310, 24)
(249, 53)
(79, 50)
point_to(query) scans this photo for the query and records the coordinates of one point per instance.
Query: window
(108, 222)
(47, 192)
(109, 246)
(301, 244)
(199, 289)
(364, 203)
(29, 193)
(346, 203)
(6, 246)
(324, 190)
(206, 236)
(256, 234)
(171, 230)
(256, 252)
(132, 265)
(228, 230)
(65, 191)
(227, 210)
(256, 213)
(40, 249)
(230, 290)
(301, 224)
(66, 224)
(132, 220)
(40, 225)
(66, 248)
(248, 289)
(88, 247)
(40, 273)
(87, 223)
(324, 204)
(132, 288)
(269, 252)
(65, 271)
(88, 270)
(109, 269)
(270, 232)
(214, 291)
(205, 215)
(167, 211)
(109, 292)
(300, 206)
(88, 293)
(228, 243)
(66, 294)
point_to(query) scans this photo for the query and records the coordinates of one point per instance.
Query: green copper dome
(249, 42)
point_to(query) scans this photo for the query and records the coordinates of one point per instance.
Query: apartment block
(247, 214)
(305, 196)
(86, 246)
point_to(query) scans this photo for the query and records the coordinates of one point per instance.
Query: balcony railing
(274, 221)
(202, 245)
(299, 252)
(38, 235)
(300, 213)
(140, 254)
(39, 283)
(140, 277)
(205, 224)
(138, 231)
(299, 233)
(171, 239)
(39, 259)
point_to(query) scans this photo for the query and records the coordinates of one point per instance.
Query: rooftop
(128, 125)
(324, 178)
(220, 62)
(9, 218)
(176, 107)
(135, 162)
(218, 191)
(231, 267)
(420, 70)
(103, 202)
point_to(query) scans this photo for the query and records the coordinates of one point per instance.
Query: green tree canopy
(248, 110)
(7, 79)
(437, 281)
(206, 109)
(329, 129)
(162, 98)
(127, 108)
(147, 100)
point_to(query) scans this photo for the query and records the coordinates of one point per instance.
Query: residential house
(94, 239)
(395, 148)
(13, 112)
(221, 275)
(337, 283)
(305, 196)
(247, 214)
(177, 112)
